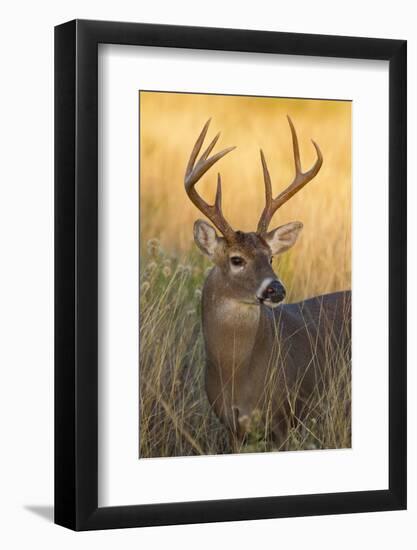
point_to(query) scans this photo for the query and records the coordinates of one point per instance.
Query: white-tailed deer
(259, 356)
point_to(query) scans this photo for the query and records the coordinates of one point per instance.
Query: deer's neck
(233, 330)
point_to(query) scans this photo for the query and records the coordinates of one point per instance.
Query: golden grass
(170, 124)
(175, 417)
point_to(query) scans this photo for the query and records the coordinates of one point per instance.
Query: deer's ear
(284, 237)
(205, 237)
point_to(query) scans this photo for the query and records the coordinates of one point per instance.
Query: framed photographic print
(230, 275)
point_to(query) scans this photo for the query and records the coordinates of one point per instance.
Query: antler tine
(196, 148)
(218, 200)
(299, 181)
(195, 170)
(267, 179)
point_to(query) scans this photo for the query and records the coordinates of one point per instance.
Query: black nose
(274, 292)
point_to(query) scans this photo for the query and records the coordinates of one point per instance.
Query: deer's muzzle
(271, 291)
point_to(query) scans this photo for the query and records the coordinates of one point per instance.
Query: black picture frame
(76, 272)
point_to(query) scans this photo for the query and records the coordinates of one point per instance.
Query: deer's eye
(270, 260)
(237, 261)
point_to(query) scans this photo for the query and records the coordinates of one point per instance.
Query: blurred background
(171, 122)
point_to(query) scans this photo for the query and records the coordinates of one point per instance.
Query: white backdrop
(123, 479)
(26, 286)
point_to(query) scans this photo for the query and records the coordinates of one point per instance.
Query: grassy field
(175, 416)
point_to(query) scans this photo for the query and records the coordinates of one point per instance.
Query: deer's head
(245, 259)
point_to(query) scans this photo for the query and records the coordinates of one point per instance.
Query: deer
(253, 340)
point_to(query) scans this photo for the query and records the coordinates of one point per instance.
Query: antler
(194, 172)
(300, 179)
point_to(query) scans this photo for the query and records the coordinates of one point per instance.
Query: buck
(259, 350)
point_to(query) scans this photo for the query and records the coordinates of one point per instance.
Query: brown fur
(249, 344)
(255, 354)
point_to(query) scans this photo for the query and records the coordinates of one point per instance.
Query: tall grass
(175, 416)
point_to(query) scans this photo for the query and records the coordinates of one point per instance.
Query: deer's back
(325, 312)
(314, 335)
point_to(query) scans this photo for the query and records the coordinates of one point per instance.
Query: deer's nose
(275, 292)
